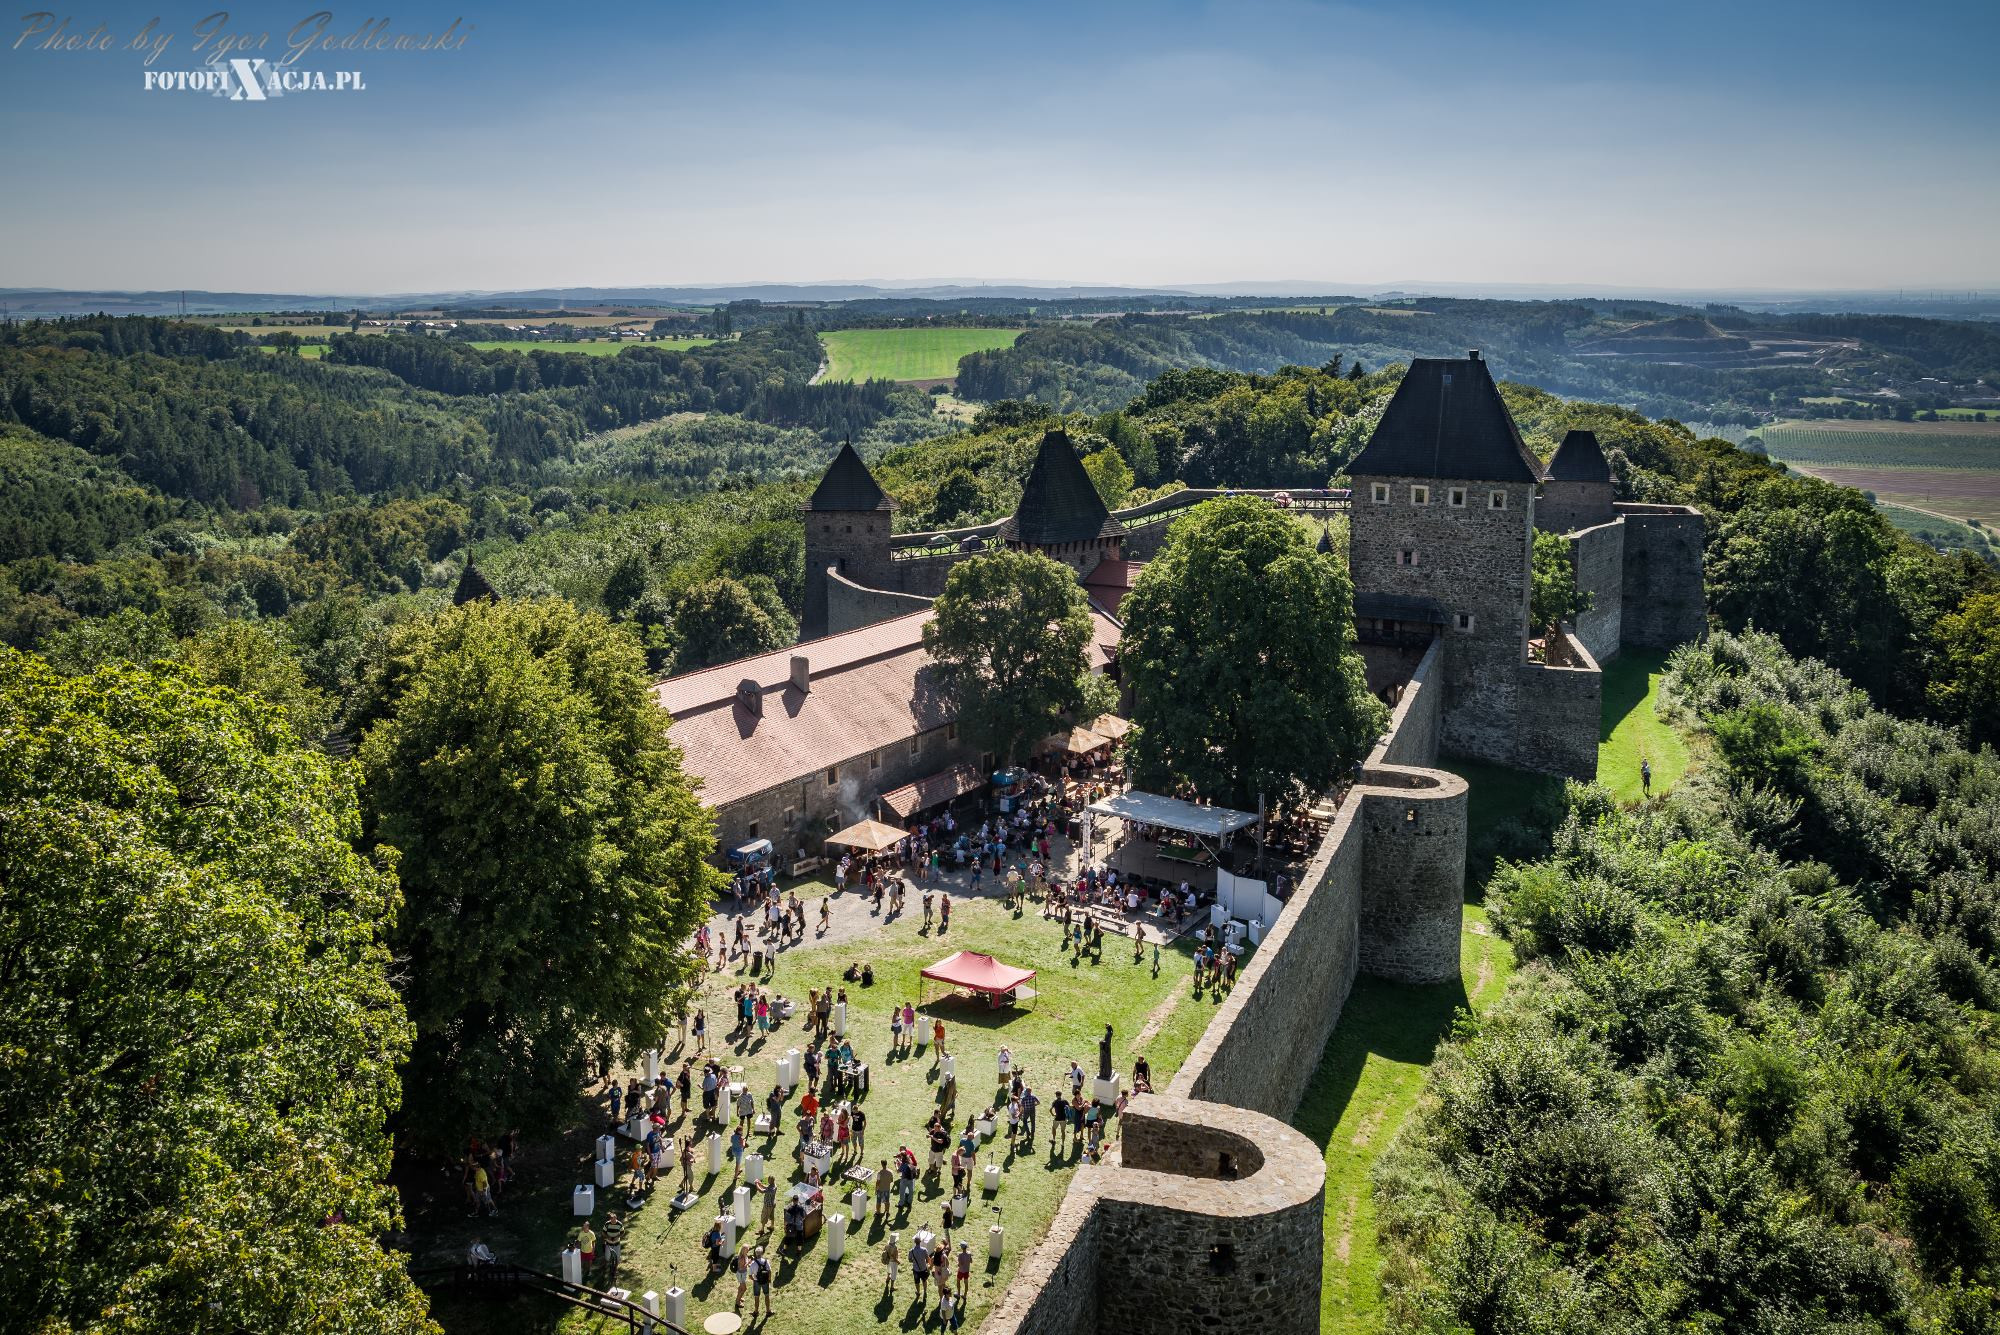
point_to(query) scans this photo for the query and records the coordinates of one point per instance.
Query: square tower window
(1496, 500)
(1406, 557)
(1466, 622)
(832, 775)
(1420, 495)
(874, 760)
(1378, 492)
(1456, 497)
(753, 829)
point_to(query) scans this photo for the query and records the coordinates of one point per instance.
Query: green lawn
(1160, 1016)
(1633, 731)
(906, 354)
(1366, 1087)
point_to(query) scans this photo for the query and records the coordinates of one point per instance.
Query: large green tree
(1011, 638)
(552, 854)
(198, 1036)
(1239, 650)
(722, 619)
(1553, 597)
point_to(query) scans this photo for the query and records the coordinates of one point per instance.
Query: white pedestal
(947, 1068)
(1217, 915)
(677, 1306)
(714, 1153)
(572, 1266)
(836, 1236)
(583, 1202)
(1232, 935)
(995, 1236)
(992, 1176)
(958, 1207)
(1256, 931)
(857, 1201)
(784, 1073)
(823, 1162)
(794, 1068)
(984, 1126)
(923, 1033)
(622, 1295)
(840, 1019)
(607, 1147)
(740, 1203)
(727, 1222)
(635, 1126)
(652, 1065)
(753, 1169)
(649, 1301)
(762, 1126)
(1105, 1091)
(607, 1172)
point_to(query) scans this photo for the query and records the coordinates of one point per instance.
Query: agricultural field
(906, 354)
(1950, 468)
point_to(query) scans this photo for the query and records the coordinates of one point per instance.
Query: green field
(906, 354)
(1949, 445)
(1161, 1016)
(1632, 731)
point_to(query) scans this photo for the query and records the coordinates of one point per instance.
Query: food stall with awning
(1076, 741)
(1110, 725)
(933, 790)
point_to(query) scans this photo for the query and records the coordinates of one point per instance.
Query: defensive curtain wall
(1168, 1235)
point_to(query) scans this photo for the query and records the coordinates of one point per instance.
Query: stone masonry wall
(854, 542)
(1664, 602)
(1473, 559)
(850, 606)
(1561, 712)
(1157, 1240)
(1565, 507)
(782, 813)
(1412, 873)
(1599, 557)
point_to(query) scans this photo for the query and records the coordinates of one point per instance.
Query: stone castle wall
(1565, 507)
(1599, 557)
(1156, 1239)
(1561, 714)
(1663, 599)
(850, 606)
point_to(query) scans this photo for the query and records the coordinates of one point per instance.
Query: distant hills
(32, 302)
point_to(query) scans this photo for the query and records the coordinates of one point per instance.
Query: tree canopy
(1239, 651)
(1011, 638)
(1553, 597)
(198, 1038)
(552, 854)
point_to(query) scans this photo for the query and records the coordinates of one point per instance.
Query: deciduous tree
(198, 1036)
(552, 854)
(1239, 649)
(1011, 638)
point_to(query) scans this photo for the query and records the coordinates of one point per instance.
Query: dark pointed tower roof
(1579, 459)
(473, 587)
(1447, 420)
(1325, 544)
(1059, 502)
(848, 485)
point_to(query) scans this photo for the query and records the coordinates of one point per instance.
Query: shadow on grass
(1626, 682)
(1399, 1022)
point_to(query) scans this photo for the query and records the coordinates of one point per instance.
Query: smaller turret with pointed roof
(474, 587)
(847, 530)
(1060, 514)
(1579, 491)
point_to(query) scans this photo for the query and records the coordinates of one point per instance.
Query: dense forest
(1748, 1081)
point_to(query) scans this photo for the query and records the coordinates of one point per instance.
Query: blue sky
(1691, 145)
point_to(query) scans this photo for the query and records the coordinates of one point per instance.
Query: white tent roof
(1170, 813)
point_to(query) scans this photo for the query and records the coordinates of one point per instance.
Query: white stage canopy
(1169, 813)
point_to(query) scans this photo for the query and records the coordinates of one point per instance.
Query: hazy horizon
(1777, 148)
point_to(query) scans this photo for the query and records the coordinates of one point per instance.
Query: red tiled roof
(870, 688)
(1111, 581)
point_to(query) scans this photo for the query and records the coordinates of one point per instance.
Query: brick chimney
(802, 677)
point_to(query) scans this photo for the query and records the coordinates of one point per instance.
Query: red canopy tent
(971, 971)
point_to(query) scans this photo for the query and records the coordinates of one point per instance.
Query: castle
(1209, 1211)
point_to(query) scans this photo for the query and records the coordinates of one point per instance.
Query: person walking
(741, 1265)
(884, 1181)
(920, 1267)
(1646, 777)
(770, 1208)
(964, 1269)
(892, 1256)
(760, 1286)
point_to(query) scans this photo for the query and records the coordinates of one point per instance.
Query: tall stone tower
(1578, 491)
(1061, 515)
(847, 529)
(1443, 518)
